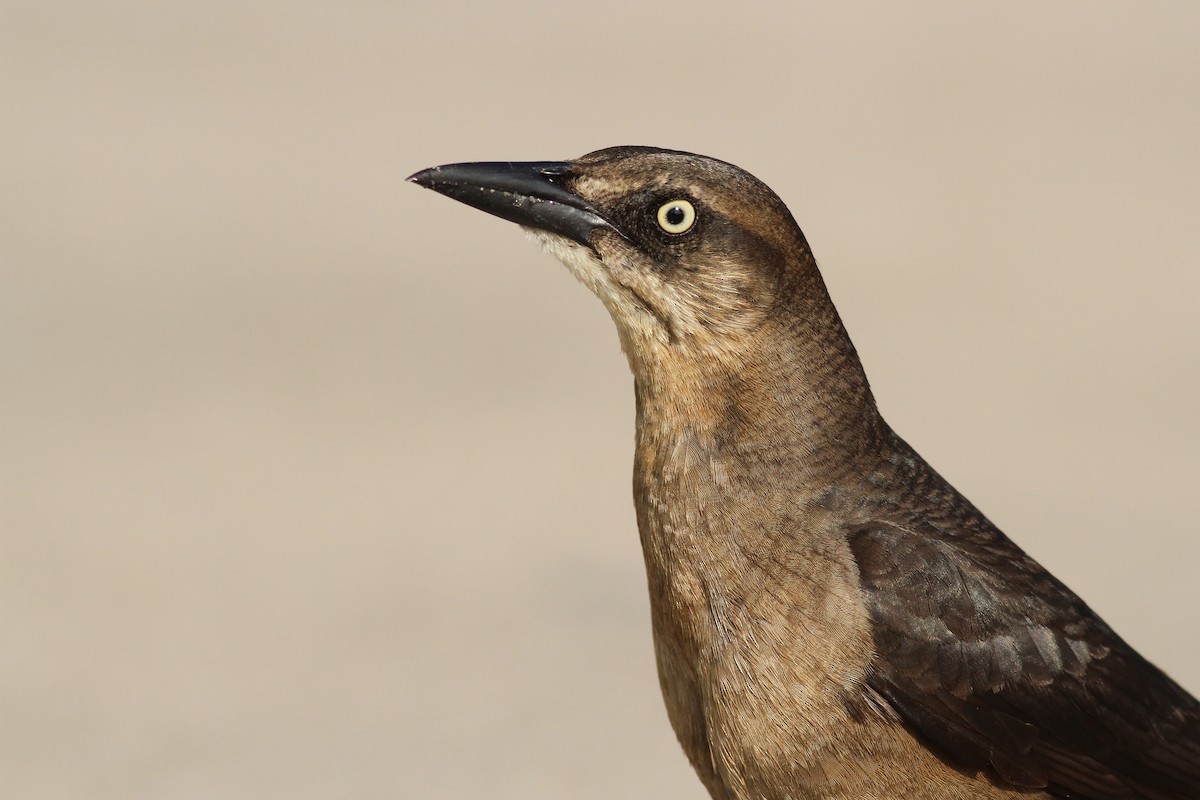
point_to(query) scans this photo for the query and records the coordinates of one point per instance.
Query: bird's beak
(523, 192)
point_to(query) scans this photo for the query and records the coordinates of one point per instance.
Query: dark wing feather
(1000, 667)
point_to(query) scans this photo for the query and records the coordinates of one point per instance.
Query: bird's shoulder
(999, 666)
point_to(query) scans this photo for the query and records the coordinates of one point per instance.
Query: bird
(832, 620)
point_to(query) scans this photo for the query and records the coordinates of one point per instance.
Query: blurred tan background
(315, 484)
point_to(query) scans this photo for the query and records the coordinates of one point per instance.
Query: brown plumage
(831, 618)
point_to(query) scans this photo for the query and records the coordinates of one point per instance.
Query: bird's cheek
(612, 247)
(618, 259)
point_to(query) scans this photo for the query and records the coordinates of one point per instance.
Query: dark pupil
(675, 215)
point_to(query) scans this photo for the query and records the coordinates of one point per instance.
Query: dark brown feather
(999, 666)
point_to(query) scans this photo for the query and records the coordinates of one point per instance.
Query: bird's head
(689, 254)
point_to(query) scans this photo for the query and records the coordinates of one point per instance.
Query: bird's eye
(677, 216)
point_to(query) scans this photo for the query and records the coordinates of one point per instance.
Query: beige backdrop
(316, 484)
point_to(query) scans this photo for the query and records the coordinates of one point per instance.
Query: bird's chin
(626, 302)
(583, 262)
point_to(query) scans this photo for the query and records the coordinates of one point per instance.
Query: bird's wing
(1000, 667)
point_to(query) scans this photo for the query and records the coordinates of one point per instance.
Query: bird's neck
(796, 401)
(773, 428)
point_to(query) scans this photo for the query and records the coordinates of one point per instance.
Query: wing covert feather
(1001, 667)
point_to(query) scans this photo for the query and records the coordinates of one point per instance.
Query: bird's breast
(761, 631)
